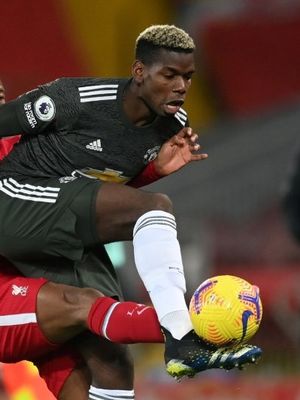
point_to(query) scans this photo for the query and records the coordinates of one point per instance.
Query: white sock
(158, 260)
(105, 394)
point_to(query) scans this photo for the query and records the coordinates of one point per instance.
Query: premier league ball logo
(44, 108)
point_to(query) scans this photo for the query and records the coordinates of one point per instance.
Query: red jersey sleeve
(147, 176)
(7, 144)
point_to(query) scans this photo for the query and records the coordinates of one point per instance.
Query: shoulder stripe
(96, 87)
(90, 99)
(89, 94)
(96, 92)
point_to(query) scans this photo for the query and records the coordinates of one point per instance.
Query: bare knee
(119, 199)
(119, 207)
(160, 201)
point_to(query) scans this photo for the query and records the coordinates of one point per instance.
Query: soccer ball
(226, 310)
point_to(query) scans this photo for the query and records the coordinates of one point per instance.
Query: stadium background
(244, 102)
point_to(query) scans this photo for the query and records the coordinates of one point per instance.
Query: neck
(134, 106)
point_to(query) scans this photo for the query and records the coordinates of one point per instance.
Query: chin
(168, 114)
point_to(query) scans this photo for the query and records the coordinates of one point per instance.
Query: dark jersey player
(77, 127)
(59, 197)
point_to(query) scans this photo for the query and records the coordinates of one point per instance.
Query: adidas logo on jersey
(95, 145)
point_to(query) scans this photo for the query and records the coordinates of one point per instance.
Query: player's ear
(138, 71)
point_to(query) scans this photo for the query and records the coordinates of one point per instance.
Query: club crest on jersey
(19, 290)
(67, 179)
(151, 154)
(44, 108)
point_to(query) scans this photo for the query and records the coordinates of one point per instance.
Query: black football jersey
(76, 126)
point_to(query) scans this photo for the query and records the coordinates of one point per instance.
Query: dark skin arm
(9, 123)
(177, 152)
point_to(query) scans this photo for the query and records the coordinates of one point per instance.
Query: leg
(105, 356)
(111, 365)
(64, 311)
(77, 385)
(124, 213)
(58, 234)
(118, 207)
(119, 212)
(53, 236)
(69, 379)
(65, 373)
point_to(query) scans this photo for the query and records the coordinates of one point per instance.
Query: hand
(177, 152)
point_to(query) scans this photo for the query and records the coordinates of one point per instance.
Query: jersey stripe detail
(89, 94)
(96, 87)
(182, 111)
(17, 319)
(181, 115)
(90, 99)
(96, 92)
(29, 192)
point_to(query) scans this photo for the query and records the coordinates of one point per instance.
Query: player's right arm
(9, 123)
(23, 117)
(49, 106)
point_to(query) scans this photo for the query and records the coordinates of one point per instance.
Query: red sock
(124, 322)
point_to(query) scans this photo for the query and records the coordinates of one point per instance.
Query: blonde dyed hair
(166, 36)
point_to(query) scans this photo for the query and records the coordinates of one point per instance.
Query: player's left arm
(175, 153)
(178, 151)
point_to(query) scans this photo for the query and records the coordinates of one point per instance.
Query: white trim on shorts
(42, 194)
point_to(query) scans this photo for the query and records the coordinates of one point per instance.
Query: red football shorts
(21, 337)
